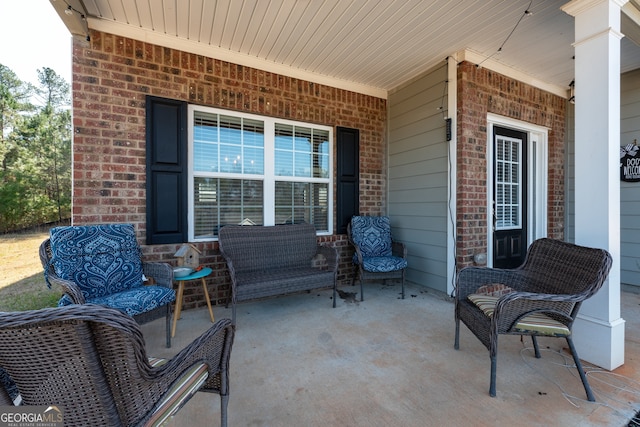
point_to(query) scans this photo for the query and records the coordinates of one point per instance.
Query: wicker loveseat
(275, 260)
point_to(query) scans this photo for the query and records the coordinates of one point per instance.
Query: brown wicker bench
(266, 261)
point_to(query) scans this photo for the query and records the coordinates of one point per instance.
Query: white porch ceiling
(373, 46)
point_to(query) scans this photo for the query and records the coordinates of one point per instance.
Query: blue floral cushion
(379, 264)
(372, 234)
(101, 259)
(133, 301)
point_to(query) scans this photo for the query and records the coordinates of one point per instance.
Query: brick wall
(481, 91)
(111, 77)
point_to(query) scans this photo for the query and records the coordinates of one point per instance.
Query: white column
(599, 329)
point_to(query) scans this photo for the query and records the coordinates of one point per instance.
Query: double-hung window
(256, 170)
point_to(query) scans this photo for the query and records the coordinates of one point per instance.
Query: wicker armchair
(101, 264)
(377, 256)
(90, 361)
(540, 298)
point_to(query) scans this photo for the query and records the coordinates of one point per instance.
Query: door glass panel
(508, 183)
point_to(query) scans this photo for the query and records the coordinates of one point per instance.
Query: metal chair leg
(583, 377)
(492, 385)
(536, 348)
(168, 325)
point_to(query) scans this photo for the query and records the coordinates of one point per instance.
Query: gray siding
(418, 175)
(630, 191)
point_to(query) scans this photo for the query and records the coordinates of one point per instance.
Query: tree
(14, 100)
(36, 174)
(56, 135)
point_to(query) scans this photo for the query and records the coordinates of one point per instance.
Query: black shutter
(348, 176)
(166, 131)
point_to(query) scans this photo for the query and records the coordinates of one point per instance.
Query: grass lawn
(22, 285)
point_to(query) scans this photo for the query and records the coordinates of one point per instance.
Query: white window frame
(269, 178)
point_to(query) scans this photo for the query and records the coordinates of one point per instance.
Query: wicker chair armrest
(8, 389)
(68, 287)
(532, 296)
(358, 252)
(51, 278)
(330, 254)
(471, 278)
(161, 272)
(232, 276)
(513, 306)
(5, 399)
(399, 249)
(213, 347)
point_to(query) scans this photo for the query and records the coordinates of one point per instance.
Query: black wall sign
(630, 163)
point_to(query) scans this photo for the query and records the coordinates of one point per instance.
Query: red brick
(111, 77)
(481, 91)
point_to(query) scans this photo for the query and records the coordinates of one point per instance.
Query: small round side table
(193, 276)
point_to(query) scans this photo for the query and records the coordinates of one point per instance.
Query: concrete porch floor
(296, 361)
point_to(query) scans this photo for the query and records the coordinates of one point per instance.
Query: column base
(598, 342)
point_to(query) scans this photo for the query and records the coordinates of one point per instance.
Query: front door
(509, 197)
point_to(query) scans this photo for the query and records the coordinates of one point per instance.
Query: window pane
(298, 202)
(218, 202)
(302, 139)
(205, 207)
(284, 202)
(205, 157)
(284, 137)
(301, 151)
(227, 144)
(230, 158)
(284, 163)
(230, 130)
(321, 154)
(303, 164)
(283, 198)
(205, 137)
(253, 160)
(284, 146)
(253, 133)
(507, 183)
